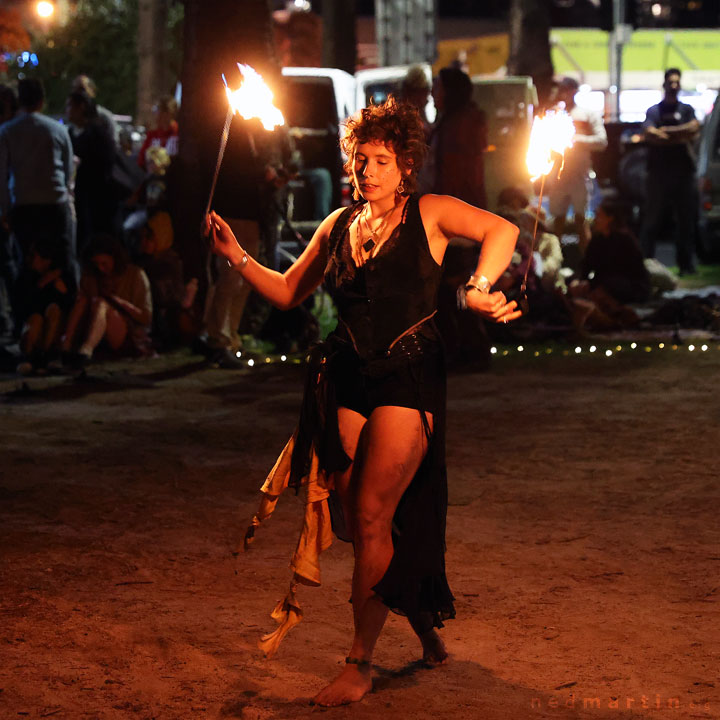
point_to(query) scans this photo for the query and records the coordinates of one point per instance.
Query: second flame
(552, 134)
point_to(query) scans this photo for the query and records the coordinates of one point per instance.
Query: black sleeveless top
(393, 291)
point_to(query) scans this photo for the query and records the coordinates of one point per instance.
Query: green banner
(647, 51)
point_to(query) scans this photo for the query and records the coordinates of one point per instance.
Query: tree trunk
(153, 70)
(218, 35)
(530, 44)
(339, 39)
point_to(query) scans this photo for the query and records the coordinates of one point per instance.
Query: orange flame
(254, 99)
(552, 134)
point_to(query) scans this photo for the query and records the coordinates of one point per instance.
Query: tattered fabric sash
(315, 537)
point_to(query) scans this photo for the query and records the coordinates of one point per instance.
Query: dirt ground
(583, 547)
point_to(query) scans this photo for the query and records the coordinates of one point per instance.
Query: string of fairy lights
(698, 347)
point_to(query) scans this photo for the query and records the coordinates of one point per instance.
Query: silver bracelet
(240, 265)
(479, 283)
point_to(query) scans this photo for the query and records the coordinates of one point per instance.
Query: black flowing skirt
(412, 375)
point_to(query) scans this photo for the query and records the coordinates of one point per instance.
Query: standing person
(96, 202)
(379, 381)
(415, 90)
(459, 140)
(83, 83)
(670, 129)
(165, 133)
(36, 161)
(8, 253)
(456, 167)
(245, 197)
(572, 189)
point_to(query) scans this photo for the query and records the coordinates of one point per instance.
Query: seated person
(173, 317)
(149, 197)
(44, 300)
(514, 205)
(613, 273)
(613, 257)
(113, 305)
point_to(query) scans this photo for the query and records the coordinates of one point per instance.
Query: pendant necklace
(372, 241)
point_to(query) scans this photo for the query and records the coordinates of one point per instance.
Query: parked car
(315, 101)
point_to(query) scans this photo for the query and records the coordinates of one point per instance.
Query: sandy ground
(583, 547)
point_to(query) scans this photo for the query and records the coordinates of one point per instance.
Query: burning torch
(551, 135)
(253, 99)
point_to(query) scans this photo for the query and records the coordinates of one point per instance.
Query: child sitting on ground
(43, 301)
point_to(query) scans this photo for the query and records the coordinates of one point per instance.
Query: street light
(45, 9)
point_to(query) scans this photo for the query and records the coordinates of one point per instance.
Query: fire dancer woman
(379, 380)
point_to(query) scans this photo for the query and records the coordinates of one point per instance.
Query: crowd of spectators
(76, 275)
(85, 268)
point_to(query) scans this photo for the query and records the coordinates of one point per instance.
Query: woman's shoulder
(431, 203)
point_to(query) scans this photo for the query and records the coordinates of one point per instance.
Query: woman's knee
(53, 312)
(98, 305)
(370, 524)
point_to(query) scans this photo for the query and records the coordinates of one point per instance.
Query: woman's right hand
(493, 306)
(224, 242)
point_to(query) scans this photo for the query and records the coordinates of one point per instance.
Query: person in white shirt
(572, 187)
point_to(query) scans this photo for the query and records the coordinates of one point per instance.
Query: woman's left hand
(493, 306)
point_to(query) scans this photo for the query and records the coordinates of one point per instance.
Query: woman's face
(375, 170)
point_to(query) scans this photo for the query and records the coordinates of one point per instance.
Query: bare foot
(349, 686)
(434, 650)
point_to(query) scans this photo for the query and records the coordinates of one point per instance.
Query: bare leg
(76, 315)
(434, 650)
(391, 447)
(105, 322)
(351, 424)
(51, 329)
(32, 332)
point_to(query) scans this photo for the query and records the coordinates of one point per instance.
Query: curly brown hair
(397, 125)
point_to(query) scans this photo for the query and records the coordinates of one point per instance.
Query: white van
(315, 101)
(376, 84)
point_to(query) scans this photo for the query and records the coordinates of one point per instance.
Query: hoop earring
(400, 188)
